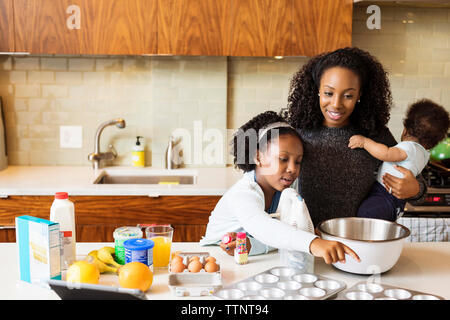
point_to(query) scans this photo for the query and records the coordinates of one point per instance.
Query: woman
(334, 96)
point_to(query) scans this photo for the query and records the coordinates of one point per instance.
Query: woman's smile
(335, 115)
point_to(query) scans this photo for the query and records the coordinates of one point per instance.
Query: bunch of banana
(104, 260)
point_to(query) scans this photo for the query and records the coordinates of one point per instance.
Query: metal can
(122, 234)
(140, 250)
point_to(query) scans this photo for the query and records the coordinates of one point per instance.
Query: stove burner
(436, 177)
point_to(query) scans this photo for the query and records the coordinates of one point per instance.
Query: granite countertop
(46, 180)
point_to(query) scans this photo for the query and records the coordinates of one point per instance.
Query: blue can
(140, 250)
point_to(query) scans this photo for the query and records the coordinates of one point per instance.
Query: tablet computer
(86, 291)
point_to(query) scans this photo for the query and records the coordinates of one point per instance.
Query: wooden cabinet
(321, 25)
(260, 28)
(6, 26)
(98, 216)
(86, 26)
(192, 27)
(177, 27)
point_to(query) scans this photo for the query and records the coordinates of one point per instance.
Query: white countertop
(422, 267)
(35, 180)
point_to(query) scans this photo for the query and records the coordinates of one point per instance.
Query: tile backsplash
(201, 99)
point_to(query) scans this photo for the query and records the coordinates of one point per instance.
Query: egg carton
(282, 283)
(378, 291)
(188, 284)
(187, 255)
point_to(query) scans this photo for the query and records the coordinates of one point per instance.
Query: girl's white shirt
(241, 209)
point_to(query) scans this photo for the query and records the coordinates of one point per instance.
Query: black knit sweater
(335, 179)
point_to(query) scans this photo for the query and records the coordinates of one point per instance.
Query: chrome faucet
(96, 156)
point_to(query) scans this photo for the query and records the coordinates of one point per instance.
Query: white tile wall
(157, 95)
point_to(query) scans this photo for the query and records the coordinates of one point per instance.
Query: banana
(105, 255)
(92, 257)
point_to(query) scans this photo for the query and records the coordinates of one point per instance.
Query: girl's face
(339, 91)
(279, 165)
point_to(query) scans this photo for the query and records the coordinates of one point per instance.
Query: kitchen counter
(38, 181)
(422, 266)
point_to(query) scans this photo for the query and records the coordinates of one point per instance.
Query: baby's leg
(378, 205)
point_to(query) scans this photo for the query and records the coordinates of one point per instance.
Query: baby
(425, 125)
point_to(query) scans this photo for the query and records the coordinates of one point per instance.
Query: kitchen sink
(162, 177)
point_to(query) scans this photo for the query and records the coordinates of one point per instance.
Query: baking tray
(188, 284)
(282, 283)
(379, 291)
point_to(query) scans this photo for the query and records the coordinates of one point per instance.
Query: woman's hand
(401, 188)
(331, 251)
(229, 247)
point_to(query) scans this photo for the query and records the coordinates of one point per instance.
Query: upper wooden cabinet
(177, 27)
(6, 26)
(321, 25)
(86, 26)
(260, 28)
(193, 27)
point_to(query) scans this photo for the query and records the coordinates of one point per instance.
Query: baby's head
(427, 121)
(271, 147)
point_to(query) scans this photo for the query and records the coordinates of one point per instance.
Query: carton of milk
(38, 243)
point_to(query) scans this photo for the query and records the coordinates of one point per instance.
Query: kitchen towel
(426, 229)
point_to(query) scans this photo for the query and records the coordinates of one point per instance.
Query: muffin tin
(188, 284)
(282, 283)
(378, 291)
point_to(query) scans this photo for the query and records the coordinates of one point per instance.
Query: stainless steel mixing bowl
(377, 242)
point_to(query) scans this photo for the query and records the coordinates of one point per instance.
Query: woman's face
(339, 91)
(280, 162)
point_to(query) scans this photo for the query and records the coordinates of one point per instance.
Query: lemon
(135, 275)
(83, 272)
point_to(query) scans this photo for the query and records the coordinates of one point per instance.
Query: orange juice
(161, 251)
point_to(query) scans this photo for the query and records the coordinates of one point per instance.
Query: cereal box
(38, 244)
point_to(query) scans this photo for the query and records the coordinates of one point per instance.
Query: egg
(194, 258)
(177, 259)
(210, 259)
(195, 266)
(177, 266)
(175, 254)
(211, 267)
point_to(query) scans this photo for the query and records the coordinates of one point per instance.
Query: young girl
(269, 151)
(425, 125)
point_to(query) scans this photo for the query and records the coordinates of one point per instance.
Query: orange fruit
(83, 272)
(135, 275)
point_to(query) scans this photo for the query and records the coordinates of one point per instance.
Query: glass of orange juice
(162, 236)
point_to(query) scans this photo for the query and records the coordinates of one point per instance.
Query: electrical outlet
(71, 137)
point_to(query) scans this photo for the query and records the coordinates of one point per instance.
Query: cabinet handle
(14, 53)
(153, 195)
(7, 227)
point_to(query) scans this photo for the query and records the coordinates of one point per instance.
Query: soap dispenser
(138, 154)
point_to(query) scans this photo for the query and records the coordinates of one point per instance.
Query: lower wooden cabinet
(97, 217)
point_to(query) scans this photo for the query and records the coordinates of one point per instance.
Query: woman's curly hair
(370, 114)
(246, 140)
(427, 121)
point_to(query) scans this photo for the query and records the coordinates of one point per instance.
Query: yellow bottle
(138, 154)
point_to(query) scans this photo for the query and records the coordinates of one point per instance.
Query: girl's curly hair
(370, 114)
(246, 140)
(427, 121)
